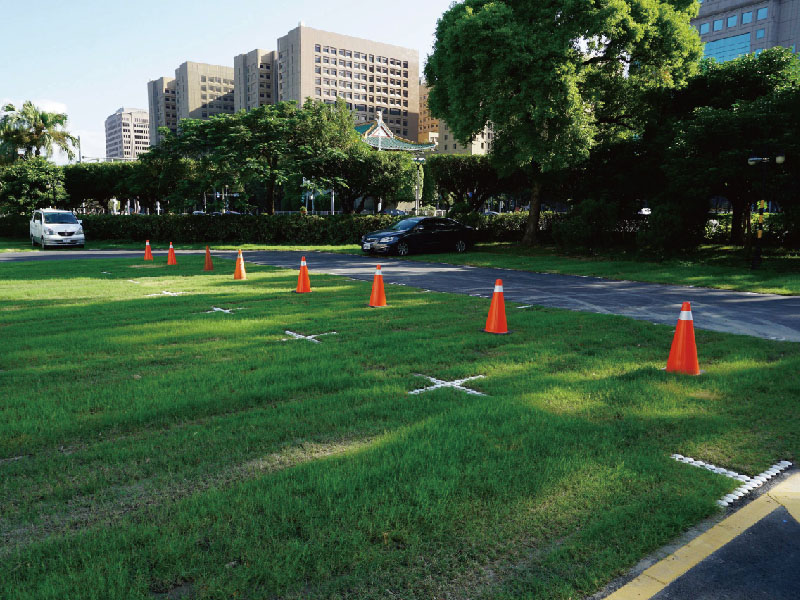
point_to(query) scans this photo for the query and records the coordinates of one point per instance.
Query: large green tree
(30, 184)
(33, 132)
(555, 77)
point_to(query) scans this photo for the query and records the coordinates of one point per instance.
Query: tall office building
(481, 143)
(127, 133)
(162, 105)
(203, 90)
(428, 126)
(253, 79)
(369, 76)
(731, 28)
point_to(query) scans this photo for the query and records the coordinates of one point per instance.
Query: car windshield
(404, 225)
(60, 218)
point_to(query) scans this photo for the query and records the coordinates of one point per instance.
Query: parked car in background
(49, 227)
(394, 212)
(419, 234)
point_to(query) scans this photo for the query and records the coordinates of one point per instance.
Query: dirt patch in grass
(85, 511)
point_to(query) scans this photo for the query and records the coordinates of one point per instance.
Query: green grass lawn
(710, 266)
(149, 449)
(22, 245)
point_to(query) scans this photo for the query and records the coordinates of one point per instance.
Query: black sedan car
(420, 234)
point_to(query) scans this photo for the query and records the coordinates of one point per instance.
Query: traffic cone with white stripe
(239, 272)
(683, 354)
(496, 321)
(171, 256)
(378, 297)
(209, 266)
(303, 282)
(148, 254)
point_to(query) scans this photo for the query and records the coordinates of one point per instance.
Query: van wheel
(43, 244)
(461, 246)
(33, 242)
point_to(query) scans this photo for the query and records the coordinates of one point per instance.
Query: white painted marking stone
(310, 338)
(165, 293)
(227, 311)
(457, 384)
(748, 483)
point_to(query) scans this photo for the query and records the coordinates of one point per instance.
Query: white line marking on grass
(748, 483)
(105, 272)
(457, 384)
(310, 338)
(132, 281)
(525, 306)
(227, 311)
(166, 293)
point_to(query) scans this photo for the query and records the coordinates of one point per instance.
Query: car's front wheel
(461, 246)
(43, 243)
(402, 249)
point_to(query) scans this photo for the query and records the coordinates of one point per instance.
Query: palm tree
(31, 132)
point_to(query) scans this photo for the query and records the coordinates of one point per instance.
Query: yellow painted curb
(661, 574)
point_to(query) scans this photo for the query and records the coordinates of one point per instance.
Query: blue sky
(88, 58)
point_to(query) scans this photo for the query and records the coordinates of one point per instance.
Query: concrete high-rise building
(481, 143)
(162, 105)
(731, 28)
(427, 124)
(203, 90)
(127, 133)
(369, 76)
(253, 79)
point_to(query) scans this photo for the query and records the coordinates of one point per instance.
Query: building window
(747, 17)
(316, 48)
(704, 28)
(761, 14)
(759, 34)
(728, 48)
(732, 21)
(718, 25)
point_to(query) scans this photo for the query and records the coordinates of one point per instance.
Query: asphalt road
(760, 315)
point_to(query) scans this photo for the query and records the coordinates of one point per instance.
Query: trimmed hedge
(264, 229)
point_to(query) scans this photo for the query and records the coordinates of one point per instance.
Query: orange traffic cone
(148, 254)
(303, 282)
(496, 321)
(209, 265)
(239, 272)
(171, 256)
(378, 297)
(683, 354)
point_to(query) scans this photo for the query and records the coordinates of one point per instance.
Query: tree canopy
(555, 77)
(33, 132)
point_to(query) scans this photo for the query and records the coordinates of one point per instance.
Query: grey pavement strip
(760, 315)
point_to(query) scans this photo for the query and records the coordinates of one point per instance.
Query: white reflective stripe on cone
(686, 315)
(302, 263)
(378, 272)
(498, 288)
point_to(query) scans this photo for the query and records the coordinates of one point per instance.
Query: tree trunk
(532, 227)
(270, 207)
(737, 221)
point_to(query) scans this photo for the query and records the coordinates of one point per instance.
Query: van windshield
(60, 218)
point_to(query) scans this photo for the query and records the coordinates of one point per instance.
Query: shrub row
(264, 229)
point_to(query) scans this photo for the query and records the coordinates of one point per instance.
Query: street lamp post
(779, 159)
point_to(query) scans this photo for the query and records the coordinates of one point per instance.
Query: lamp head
(780, 158)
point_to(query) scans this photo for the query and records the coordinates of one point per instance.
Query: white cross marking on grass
(227, 311)
(166, 293)
(748, 483)
(457, 384)
(310, 338)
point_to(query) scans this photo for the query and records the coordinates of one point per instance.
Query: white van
(51, 227)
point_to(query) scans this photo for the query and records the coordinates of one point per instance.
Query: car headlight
(79, 231)
(387, 240)
(49, 231)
